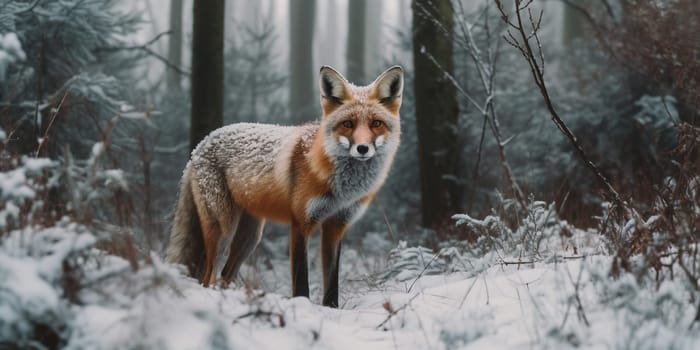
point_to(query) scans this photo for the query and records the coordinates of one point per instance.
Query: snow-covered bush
(75, 88)
(64, 82)
(58, 290)
(23, 191)
(39, 191)
(507, 236)
(42, 273)
(51, 226)
(406, 263)
(10, 52)
(534, 234)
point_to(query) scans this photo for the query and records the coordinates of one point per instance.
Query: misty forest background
(592, 107)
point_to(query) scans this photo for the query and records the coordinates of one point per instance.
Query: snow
(543, 284)
(13, 185)
(502, 307)
(37, 165)
(10, 52)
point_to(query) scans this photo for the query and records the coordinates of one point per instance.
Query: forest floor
(554, 305)
(57, 285)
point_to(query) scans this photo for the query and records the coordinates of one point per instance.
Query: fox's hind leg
(247, 236)
(218, 216)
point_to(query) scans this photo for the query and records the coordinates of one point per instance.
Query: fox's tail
(186, 244)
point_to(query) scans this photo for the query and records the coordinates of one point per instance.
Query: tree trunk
(175, 47)
(436, 110)
(355, 51)
(373, 39)
(207, 69)
(303, 95)
(328, 39)
(573, 25)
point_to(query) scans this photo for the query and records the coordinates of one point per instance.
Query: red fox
(324, 173)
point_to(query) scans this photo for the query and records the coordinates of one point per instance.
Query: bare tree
(302, 94)
(436, 110)
(207, 69)
(355, 51)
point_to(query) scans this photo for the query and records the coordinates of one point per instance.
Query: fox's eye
(376, 123)
(347, 124)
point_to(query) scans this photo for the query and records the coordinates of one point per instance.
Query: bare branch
(44, 138)
(145, 48)
(486, 68)
(537, 70)
(29, 8)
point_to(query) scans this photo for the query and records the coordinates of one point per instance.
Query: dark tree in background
(207, 69)
(375, 53)
(436, 110)
(328, 39)
(175, 46)
(355, 50)
(573, 23)
(303, 95)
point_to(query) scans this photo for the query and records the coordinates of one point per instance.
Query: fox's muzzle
(362, 151)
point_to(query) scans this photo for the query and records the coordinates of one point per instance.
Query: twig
(393, 312)
(526, 262)
(423, 271)
(486, 288)
(53, 118)
(388, 225)
(469, 290)
(475, 180)
(537, 69)
(259, 313)
(534, 261)
(577, 285)
(145, 48)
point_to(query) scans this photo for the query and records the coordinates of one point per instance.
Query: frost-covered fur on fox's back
(234, 156)
(251, 158)
(245, 153)
(249, 161)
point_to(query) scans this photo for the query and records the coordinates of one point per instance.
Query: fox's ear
(333, 89)
(388, 88)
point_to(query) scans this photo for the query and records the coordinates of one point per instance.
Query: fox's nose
(362, 149)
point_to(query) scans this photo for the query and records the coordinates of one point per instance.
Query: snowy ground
(505, 307)
(564, 303)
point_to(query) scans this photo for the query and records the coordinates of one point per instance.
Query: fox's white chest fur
(352, 179)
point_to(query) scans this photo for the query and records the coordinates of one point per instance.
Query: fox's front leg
(332, 232)
(298, 246)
